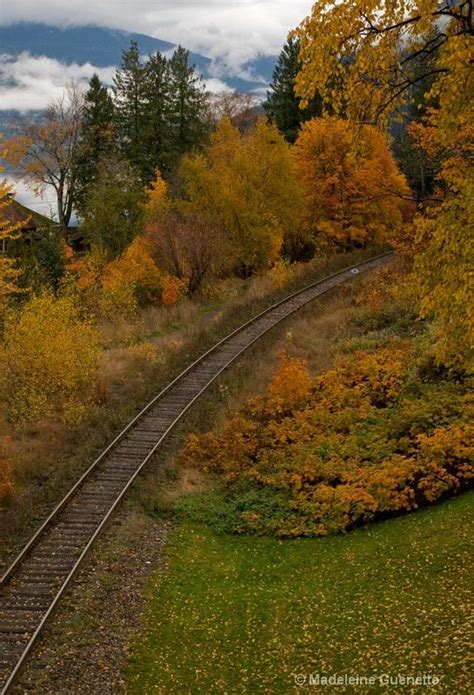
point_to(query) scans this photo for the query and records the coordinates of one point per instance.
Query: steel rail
(16, 564)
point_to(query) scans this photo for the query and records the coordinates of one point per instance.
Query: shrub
(49, 360)
(365, 439)
(120, 285)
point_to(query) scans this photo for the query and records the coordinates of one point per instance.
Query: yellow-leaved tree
(363, 56)
(156, 197)
(368, 59)
(247, 185)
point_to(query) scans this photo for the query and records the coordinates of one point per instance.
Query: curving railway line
(35, 582)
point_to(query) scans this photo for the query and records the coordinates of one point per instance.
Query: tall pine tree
(157, 131)
(190, 116)
(162, 110)
(131, 102)
(282, 105)
(97, 135)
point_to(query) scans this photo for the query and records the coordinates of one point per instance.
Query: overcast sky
(233, 29)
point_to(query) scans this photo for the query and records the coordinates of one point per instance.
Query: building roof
(30, 221)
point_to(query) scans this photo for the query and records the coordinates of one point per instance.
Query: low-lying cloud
(30, 83)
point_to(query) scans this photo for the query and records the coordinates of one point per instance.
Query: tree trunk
(61, 217)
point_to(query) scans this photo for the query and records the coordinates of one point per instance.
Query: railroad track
(35, 582)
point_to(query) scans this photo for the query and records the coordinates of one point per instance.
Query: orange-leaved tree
(352, 185)
(44, 152)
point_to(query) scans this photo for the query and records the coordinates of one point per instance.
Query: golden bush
(49, 360)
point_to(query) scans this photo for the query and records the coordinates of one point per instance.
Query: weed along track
(35, 582)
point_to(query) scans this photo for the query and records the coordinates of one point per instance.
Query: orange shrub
(291, 384)
(171, 289)
(121, 284)
(365, 439)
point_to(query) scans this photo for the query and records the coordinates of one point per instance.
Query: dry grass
(151, 322)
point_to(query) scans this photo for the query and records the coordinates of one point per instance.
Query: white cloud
(214, 85)
(236, 30)
(28, 83)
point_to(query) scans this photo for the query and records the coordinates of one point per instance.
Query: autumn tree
(444, 242)
(283, 106)
(187, 248)
(157, 200)
(45, 151)
(97, 135)
(245, 184)
(351, 182)
(113, 213)
(366, 56)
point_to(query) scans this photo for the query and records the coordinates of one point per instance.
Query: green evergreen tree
(130, 89)
(114, 210)
(282, 105)
(158, 104)
(97, 135)
(190, 113)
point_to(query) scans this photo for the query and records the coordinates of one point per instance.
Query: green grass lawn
(244, 615)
